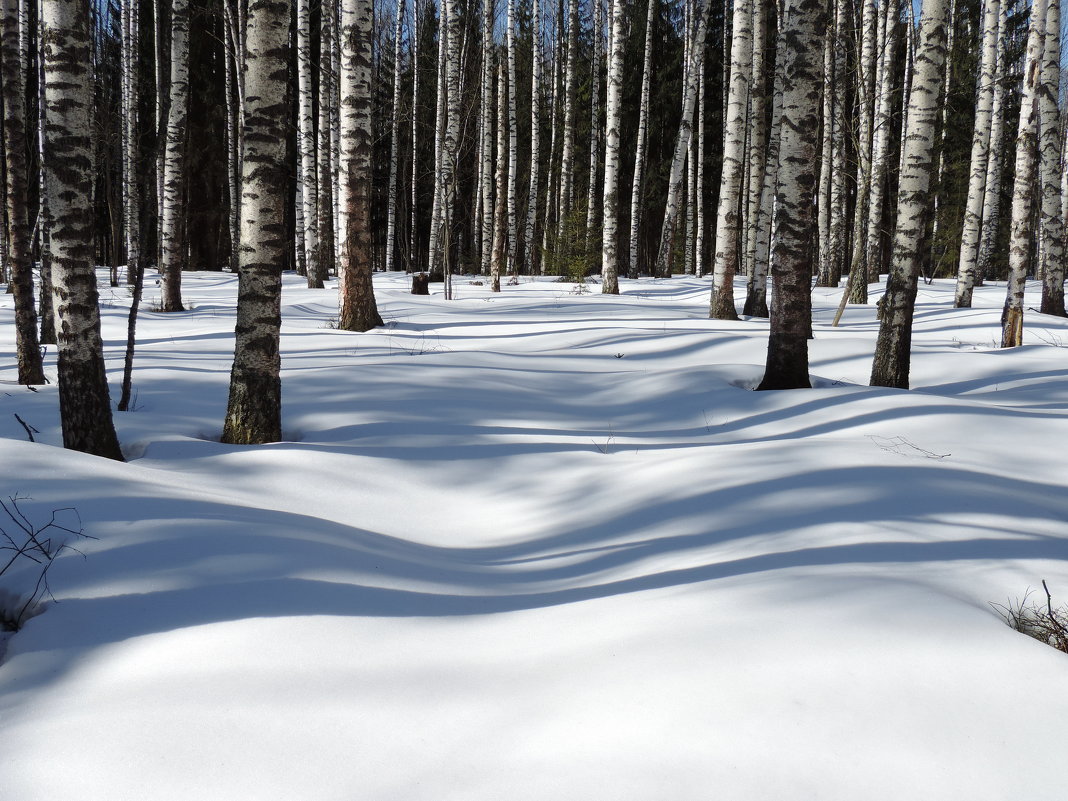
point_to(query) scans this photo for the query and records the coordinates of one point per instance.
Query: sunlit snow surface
(548, 545)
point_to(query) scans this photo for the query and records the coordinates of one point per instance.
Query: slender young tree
(567, 156)
(394, 142)
(857, 287)
(486, 161)
(734, 135)
(513, 146)
(791, 263)
(359, 312)
(172, 220)
(881, 141)
(84, 402)
(500, 179)
(992, 193)
(596, 132)
(643, 138)
(254, 411)
(20, 260)
(535, 139)
(610, 257)
(232, 80)
(308, 173)
(327, 258)
(892, 351)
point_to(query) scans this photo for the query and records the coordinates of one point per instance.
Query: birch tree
(610, 255)
(643, 138)
(1052, 223)
(727, 217)
(500, 179)
(535, 139)
(172, 218)
(306, 141)
(857, 287)
(890, 367)
(567, 149)
(980, 156)
(1023, 185)
(84, 402)
(254, 410)
(358, 310)
(805, 22)
(992, 193)
(16, 185)
(596, 132)
(881, 141)
(513, 147)
(487, 141)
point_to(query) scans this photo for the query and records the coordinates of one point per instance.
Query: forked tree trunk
(805, 22)
(20, 259)
(614, 103)
(173, 219)
(254, 411)
(358, 312)
(892, 350)
(84, 403)
(1023, 185)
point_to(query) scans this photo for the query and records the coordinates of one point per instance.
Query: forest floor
(547, 545)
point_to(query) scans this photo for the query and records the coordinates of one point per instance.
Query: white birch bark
(394, 144)
(306, 141)
(500, 180)
(254, 409)
(413, 227)
(980, 156)
(936, 222)
(613, 116)
(131, 103)
(1023, 184)
(682, 141)
(552, 184)
(992, 194)
(699, 182)
(84, 402)
(839, 190)
(857, 288)
(758, 132)
(1052, 223)
(596, 133)
(172, 223)
(358, 310)
(881, 143)
(327, 259)
(890, 367)
(487, 141)
(451, 141)
(513, 148)
(727, 217)
(233, 146)
(440, 124)
(823, 196)
(643, 138)
(567, 150)
(529, 233)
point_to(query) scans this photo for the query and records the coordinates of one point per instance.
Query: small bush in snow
(1047, 624)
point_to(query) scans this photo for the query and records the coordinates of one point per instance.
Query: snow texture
(547, 545)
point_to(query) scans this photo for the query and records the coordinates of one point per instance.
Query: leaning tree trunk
(173, 221)
(721, 306)
(791, 261)
(84, 403)
(643, 138)
(682, 142)
(1052, 230)
(610, 257)
(892, 350)
(309, 194)
(973, 214)
(359, 312)
(254, 411)
(1023, 185)
(20, 259)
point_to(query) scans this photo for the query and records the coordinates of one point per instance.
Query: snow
(547, 545)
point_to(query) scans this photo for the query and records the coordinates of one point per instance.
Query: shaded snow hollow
(545, 545)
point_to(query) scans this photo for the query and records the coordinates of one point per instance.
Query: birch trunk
(805, 22)
(254, 410)
(552, 184)
(233, 141)
(173, 222)
(727, 217)
(881, 144)
(567, 151)
(699, 182)
(308, 175)
(324, 160)
(992, 194)
(682, 142)
(131, 102)
(513, 149)
(613, 109)
(596, 136)
(486, 144)
(84, 403)
(20, 258)
(358, 311)
(973, 214)
(1023, 184)
(823, 202)
(839, 190)
(440, 124)
(47, 308)
(643, 138)
(758, 132)
(500, 179)
(452, 134)
(940, 145)
(1052, 223)
(857, 288)
(890, 367)
(413, 227)
(535, 141)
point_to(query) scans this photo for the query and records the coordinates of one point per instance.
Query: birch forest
(770, 146)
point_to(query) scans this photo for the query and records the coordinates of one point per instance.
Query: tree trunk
(173, 220)
(308, 174)
(992, 194)
(596, 134)
(857, 288)
(513, 148)
(254, 411)
(805, 24)
(84, 403)
(497, 260)
(643, 139)
(567, 151)
(20, 259)
(327, 232)
(881, 144)
(232, 78)
(892, 351)
(359, 312)
(487, 141)
(1052, 230)
(1023, 185)
(610, 257)
(529, 234)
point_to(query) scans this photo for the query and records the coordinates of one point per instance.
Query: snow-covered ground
(548, 545)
